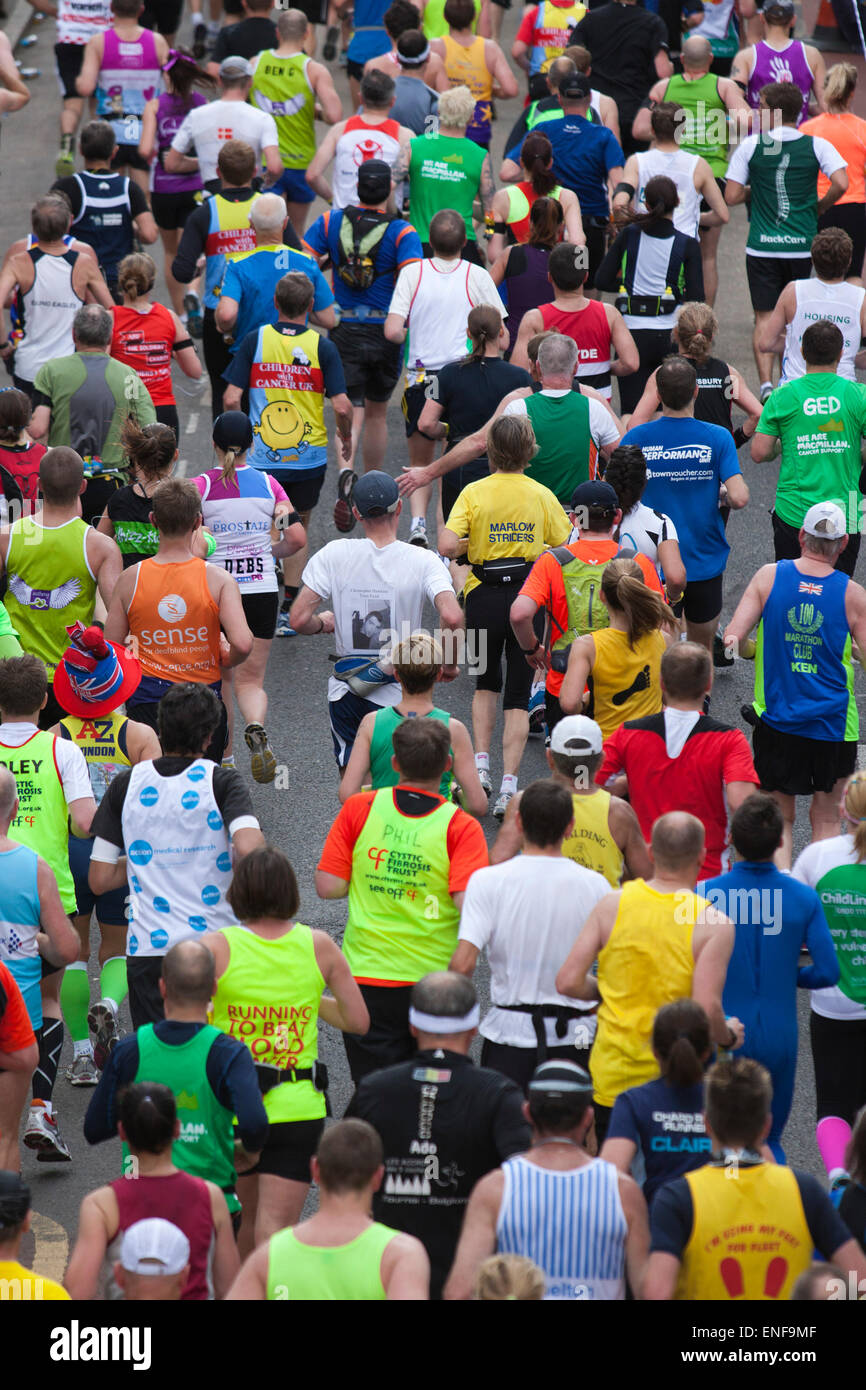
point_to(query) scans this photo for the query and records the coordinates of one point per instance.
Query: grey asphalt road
(297, 812)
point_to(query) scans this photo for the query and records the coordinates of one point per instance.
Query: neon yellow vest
(50, 585)
(281, 87)
(402, 919)
(591, 842)
(328, 1274)
(287, 394)
(103, 744)
(269, 998)
(43, 816)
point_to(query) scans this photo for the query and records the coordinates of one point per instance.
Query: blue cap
(595, 496)
(375, 494)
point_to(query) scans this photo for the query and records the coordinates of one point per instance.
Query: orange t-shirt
(847, 134)
(16, 1031)
(175, 621)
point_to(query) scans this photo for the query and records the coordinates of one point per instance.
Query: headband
(175, 57)
(417, 62)
(433, 1023)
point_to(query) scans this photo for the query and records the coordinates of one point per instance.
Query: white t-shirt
(207, 128)
(528, 912)
(377, 594)
(817, 860)
(602, 426)
(435, 296)
(71, 763)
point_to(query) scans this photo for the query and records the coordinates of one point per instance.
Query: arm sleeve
(622, 1122)
(602, 426)
(608, 277)
(237, 373)
(237, 1088)
(729, 464)
(269, 131)
(233, 799)
(518, 407)
(557, 527)
(183, 141)
(826, 1227)
(339, 847)
(511, 1131)
(192, 244)
(824, 969)
(738, 765)
(100, 1122)
(108, 821)
(332, 368)
(467, 850)
(433, 579)
(671, 1217)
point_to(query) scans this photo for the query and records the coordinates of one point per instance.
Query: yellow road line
(52, 1247)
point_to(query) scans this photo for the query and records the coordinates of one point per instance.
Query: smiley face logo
(282, 427)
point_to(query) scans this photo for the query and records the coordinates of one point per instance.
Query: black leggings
(653, 346)
(839, 1058)
(217, 356)
(488, 609)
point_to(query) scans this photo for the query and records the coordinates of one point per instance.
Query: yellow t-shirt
(18, 1284)
(507, 517)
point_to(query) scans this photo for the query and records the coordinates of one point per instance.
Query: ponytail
(854, 806)
(149, 449)
(661, 197)
(483, 326)
(536, 156)
(839, 87)
(623, 586)
(228, 468)
(696, 327)
(545, 223)
(680, 1040)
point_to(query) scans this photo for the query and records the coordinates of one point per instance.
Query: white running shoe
(102, 1022)
(484, 779)
(43, 1135)
(502, 805)
(83, 1071)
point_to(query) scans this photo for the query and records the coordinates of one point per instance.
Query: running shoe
(766, 393)
(194, 317)
(102, 1022)
(344, 58)
(329, 51)
(484, 779)
(199, 40)
(418, 533)
(43, 1135)
(284, 627)
(263, 764)
(229, 762)
(537, 709)
(344, 517)
(722, 659)
(65, 162)
(501, 805)
(83, 1071)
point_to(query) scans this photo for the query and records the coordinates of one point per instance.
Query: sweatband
(417, 62)
(179, 347)
(623, 187)
(431, 1023)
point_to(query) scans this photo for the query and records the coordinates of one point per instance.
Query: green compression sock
(112, 980)
(75, 1000)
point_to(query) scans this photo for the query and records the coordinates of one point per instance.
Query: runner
(20, 456)
(693, 177)
(778, 57)
(476, 62)
(77, 20)
(447, 168)
(206, 130)
(19, 1055)
(151, 454)
(15, 1219)
(629, 52)
(846, 133)
(524, 266)
(154, 1262)
(543, 35)
(827, 294)
(420, 78)
(148, 337)
(642, 528)
(371, 134)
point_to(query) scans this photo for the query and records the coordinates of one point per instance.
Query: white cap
(235, 66)
(576, 734)
(826, 521)
(154, 1246)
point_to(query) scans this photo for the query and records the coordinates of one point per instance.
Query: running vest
(228, 232)
(129, 77)
(570, 1222)
(444, 172)
(51, 585)
(466, 66)
(175, 621)
(625, 681)
(45, 313)
(281, 87)
(647, 962)
(783, 176)
(521, 197)
(804, 676)
(551, 29)
(591, 841)
(205, 1146)
(104, 220)
(145, 342)
(591, 331)
(680, 167)
(328, 1273)
(178, 854)
(287, 401)
(361, 140)
(386, 720)
(268, 998)
(841, 304)
(652, 278)
(788, 64)
(842, 890)
(436, 321)
(239, 516)
(171, 112)
(402, 919)
(184, 1201)
(79, 20)
(705, 129)
(43, 815)
(20, 920)
(750, 1238)
(715, 392)
(567, 453)
(103, 743)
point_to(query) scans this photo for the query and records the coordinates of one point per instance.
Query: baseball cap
(595, 496)
(561, 1081)
(576, 734)
(232, 430)
(154, 1246)
(14, 1199)
(575, 86)
(235, 66)
(375, 494)
(374, 181)
(826, 521)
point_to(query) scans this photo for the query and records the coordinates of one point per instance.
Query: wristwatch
(532, 650)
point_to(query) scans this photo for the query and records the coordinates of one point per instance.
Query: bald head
(188, 974)
(559, 69)
(697, 54)
(8, 798)
(678, 844)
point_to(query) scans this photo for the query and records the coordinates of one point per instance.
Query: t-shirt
(831, 867)
(469, 392)
(784, 205)
(251, 281)
(666, 1123)
(20, 1284)
(207, 128)
(687, 461)
(444, 172)
(583, 155)
(246, 39)
(90, 397)
(400, 244)
(528, 912)
(602, 425)
(229, 789)
(820, 419)
(378, 595)
(847, 134)
(506, 516)
(623, 41)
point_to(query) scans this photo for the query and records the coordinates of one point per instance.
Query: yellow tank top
(591, 842)
(467, 66)
(625, 680)
(646, 963)
(750, 1238)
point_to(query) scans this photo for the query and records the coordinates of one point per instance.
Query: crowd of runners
(645, 921)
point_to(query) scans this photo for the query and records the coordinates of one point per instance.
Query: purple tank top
(170, 112)
(787, 65)
(527, 284)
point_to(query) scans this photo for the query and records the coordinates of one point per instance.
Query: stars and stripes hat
(94, 676)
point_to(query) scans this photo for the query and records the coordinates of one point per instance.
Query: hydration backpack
(586, 612)
(361, 233)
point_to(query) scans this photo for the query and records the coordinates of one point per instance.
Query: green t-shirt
(819, 419)
(90, 396)
(444, 172)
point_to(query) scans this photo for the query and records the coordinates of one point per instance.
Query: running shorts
(797, 766)
(768, 276)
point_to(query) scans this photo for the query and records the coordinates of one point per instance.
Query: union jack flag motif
(807, 588)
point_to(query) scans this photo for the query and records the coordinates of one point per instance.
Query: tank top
(750, 1239)
(175, 620)
(705, 129)
(436, 321)
(804, 677)
(591, 331)
(103, 743)
(591, 842)
(129, 77)
(466, 66)
(569, 1222)
(281, 87)
(185, 1202)
(178, 854)
(680, 167)
(20, 920)
(841, 304)
(42, 811)
(104, 220)
(567, 453)
(45, 313)
(551, 30)
(788, 64)
(287, 401)
(386, 720)
(360, 141)
(521, 197)
(240, 515)
(79, 20)
(646, 962)
(268, 997)
(145, 342)
(328, 1273)
(715, 392)
(624, 682)
(22, 461)
(170, 113)
(228, 232)
(51, 585)
(527, 283)
(134, 532)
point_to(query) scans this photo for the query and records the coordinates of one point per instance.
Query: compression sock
(290, 595)
(75, 1000)
(832, 1135)
(50, 1043)
(112, 980)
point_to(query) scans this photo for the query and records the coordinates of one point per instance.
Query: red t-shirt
(16, 1032)
(23, 464)
(713, 755)
(145, 343)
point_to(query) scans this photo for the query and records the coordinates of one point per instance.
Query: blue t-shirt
(252, 281)
(667, 1125)
(583, 155)
(400, 245)
(687, 461)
